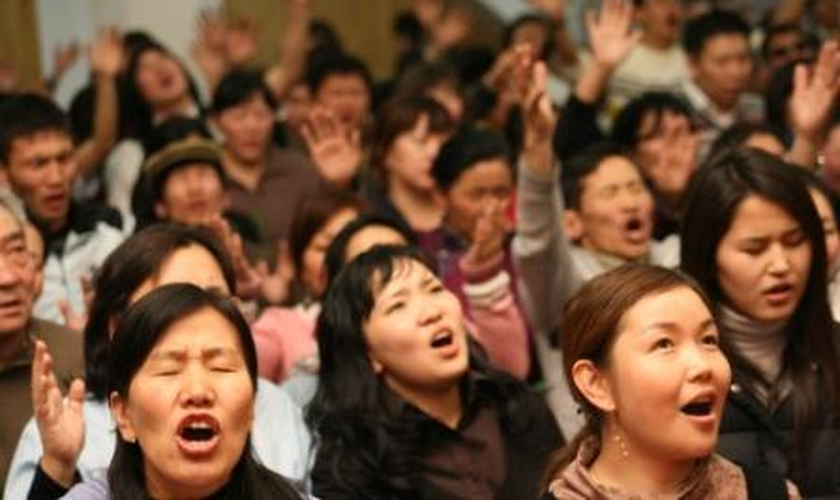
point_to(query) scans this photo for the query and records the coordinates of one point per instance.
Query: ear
(572, 224)
(160, 211)
(225, 199)
(119, 411)
(594, 386)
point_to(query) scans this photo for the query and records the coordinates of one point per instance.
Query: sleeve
(24, 464)
(269, 349)
(542, 253)
(45, 488)
(500, 326)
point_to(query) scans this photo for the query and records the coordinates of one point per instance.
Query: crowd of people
(520, 266)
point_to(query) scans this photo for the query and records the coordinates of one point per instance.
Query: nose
(779, 260)
(196, 388)
(430, 313)
(699, 364)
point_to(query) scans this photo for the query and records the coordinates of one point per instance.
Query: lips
(198, 435)
(701, 408)
(780, 293)
(444, 343)
(635, 230)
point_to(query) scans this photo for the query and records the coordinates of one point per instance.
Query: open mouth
(780, 288)
(634, 224)
(698, 408)
(197, 434)
(442, 339)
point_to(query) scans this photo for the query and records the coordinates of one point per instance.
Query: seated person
(642, 349)
(68, 442)
(404, 407)
(19, 275)
(472, 247)
(182, 381)
(38, 159)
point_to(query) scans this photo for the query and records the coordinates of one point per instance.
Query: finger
(38, 368)
(800, 78)
(76, 394)
(591, 23)
(308, 134)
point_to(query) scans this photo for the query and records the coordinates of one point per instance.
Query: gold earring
(622, 445)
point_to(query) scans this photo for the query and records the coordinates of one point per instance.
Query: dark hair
(469, 145)
(398, 116)
(310, 218)
(352, 412)
(143, 327)
(237, 87)
(704, 27)
(775, 30)
(336, 63)
(510, 30)
(423, 77)
(737, 135)
(719, 188)
(336, 257)
(174, 129)
(137, 259)
(590, 326)
(25, 115)
(628, 124)
(583, 164)
(138, 119)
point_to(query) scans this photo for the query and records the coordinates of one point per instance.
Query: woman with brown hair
(641, 349)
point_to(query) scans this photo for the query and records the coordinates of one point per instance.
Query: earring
(622, 445)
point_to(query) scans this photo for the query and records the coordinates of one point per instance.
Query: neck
(11, 345)
(656, 42)
(635, 470)
(422, 209)
(245, 173)
(443, 405)
(177, 107)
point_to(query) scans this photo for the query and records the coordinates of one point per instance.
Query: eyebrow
(181, 354)
(12, 237)
(672, 326)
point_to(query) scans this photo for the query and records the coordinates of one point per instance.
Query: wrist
(60, 471)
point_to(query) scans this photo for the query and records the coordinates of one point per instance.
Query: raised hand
(106, 53)
(240, 42)
(335, 148)
(64, 57)
(610, 32)
(248, 280)
(815, 92)
(552, 8)
(488, 239)
(274, 287)
(208, 48)
(60, 422)
(539, 117)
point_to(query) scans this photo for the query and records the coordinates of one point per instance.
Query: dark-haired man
(38, 159)
(265, 182)
(718, 48)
